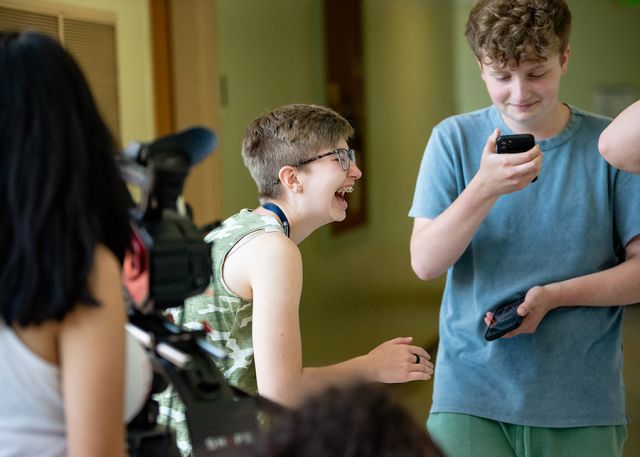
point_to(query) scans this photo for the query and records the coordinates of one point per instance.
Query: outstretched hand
(397, 361)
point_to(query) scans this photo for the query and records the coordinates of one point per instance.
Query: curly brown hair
(503, 31)
(361, 420)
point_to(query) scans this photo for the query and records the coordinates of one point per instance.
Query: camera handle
(222, 420)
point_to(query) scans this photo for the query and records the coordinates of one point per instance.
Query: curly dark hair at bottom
(360, 420)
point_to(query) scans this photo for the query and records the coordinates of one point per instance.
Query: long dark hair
(60, 189)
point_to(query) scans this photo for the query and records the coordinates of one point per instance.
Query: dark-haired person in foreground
(359, 420)
(64, 230)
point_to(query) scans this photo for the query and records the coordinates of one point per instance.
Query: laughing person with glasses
(299, 158)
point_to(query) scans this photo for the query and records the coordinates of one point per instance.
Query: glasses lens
(352, 155)
(343, 158)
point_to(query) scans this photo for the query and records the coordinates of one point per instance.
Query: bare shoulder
(273, 243)
(268, 247)
(259, 258)
(104, 263)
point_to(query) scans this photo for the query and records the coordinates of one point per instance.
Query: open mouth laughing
(340, 193)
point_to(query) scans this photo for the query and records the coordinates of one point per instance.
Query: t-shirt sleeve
(436, 184)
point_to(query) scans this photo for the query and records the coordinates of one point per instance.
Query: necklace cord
(283, 218)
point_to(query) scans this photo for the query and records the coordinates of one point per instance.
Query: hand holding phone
(505, 319)
(510, 144)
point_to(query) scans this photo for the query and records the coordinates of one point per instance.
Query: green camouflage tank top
(228, 316)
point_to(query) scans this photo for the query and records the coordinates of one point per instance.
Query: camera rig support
(168, 262)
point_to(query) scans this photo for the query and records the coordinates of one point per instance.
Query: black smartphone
(505, 319)
(521, 142)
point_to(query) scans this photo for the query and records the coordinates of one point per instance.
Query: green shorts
(462, 435)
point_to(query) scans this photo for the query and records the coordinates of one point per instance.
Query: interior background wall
(134, 62)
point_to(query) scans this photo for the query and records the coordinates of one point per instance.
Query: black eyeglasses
(345, 157)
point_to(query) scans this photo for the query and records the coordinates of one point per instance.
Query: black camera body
(169, 261)
(178, 261)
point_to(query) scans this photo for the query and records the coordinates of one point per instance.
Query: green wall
(268, 55)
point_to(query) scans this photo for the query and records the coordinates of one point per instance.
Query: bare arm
(619, 285)
(438, 243)
(275, 274)
(91, 343)
(619, 143)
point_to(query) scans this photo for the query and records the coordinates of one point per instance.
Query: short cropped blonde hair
(287, 136)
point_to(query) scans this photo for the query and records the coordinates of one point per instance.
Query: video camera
(168, 263)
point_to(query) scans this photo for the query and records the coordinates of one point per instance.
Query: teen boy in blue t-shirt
(568, 243)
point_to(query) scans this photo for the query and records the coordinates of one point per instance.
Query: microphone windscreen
(132, 150)
(195, 143)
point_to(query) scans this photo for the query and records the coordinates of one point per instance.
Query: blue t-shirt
(574, 220)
